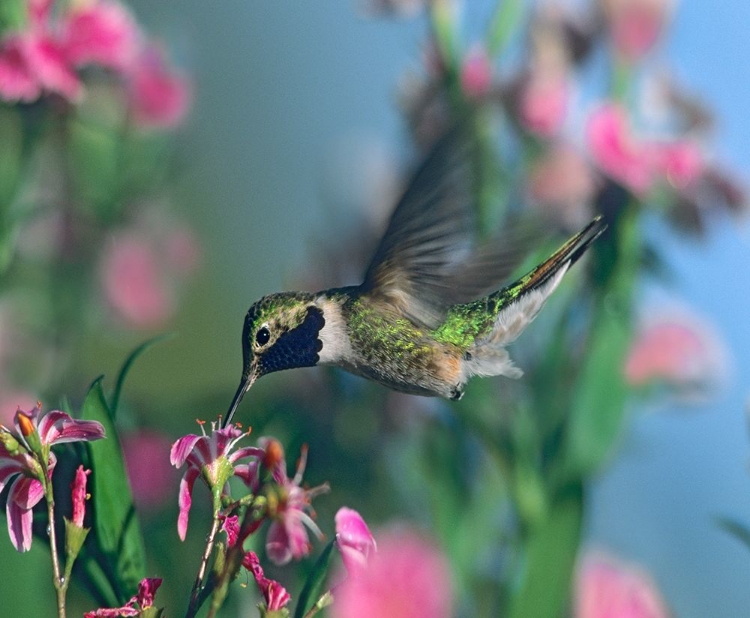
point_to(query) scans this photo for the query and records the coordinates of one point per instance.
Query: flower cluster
(47, 52)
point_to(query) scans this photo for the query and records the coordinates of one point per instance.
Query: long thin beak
(245, 384)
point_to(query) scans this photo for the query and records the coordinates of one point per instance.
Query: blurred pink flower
(616, 151)
(79, 496)
(476, 73)
(676, 348)
(274, 594)
(680, 162)
(102, 33)
(407, 577)
(211, 458)
(287, 535)
(143, 600)
(562, 182)
(354, 540)
(544, 103)
(635, 25)
(17, 82)
(11, 401)
(150, 473)
(607, 588)
(159, 95)
(135, 283)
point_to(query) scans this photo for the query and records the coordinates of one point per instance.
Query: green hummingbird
(419, 323)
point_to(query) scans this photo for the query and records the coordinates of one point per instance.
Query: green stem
(503, 24)
(61, 583)
(196, 598)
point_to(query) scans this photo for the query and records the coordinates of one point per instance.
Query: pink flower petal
(57, 427)
(147, 590)
(78, 496)
(278, 544)
(26, 492)
(544, 103)
(17, 82)
(231, 526)
(19, 525)
(185, 500)
(182, 448)
(354, 540)
(476, 73)
(46, 60)
(102, 33)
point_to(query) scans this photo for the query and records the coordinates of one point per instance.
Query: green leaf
(736, 528)
(12, 15)
(550, 555)
(117, 533)
(313, 588)
(128, 364)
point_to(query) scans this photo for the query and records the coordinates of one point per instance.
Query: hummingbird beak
(245, 384)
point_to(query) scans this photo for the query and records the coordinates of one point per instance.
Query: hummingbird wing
(425, 261)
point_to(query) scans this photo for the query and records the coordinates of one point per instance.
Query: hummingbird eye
(262, 336)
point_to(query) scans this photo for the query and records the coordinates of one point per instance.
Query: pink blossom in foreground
(544, 103)
(274, 594)
(79, 496)
(407, 577)
(150, 474)
(635, 25)
(607, 588)
(287, 535)
(141, 601)
(676, 348)
(354, 540)
(213, 458)
(159, 95)
(135, 284)
(22, 452)
(562, 183)
(102, 33)
(476, 73)
(616, 151)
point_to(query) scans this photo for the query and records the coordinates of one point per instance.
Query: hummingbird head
(281, 331)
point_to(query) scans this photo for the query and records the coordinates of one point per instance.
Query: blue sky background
(278, 84)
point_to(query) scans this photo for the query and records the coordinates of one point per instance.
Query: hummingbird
(425, 319)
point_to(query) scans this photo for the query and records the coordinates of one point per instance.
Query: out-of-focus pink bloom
(287, 535)
(151, 476)
(544, 103)
(102, 33)
(635, 25)
(134, 281)
(79, 496)
(211, 458)
(607, 588)
(21, 464)
(33, 62)
(159, 95)
(39, 12)
(680, 162)
(407, 577)
(182, 251)
(476, 73)
(676, 348)
(563, 183)
(274, 594)
(354, 540)
(11, 401)
(616, 151)
(141, 601)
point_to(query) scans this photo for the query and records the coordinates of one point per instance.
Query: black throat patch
(298, 347)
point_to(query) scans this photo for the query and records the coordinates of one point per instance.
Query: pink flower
(607, 588)
(135, 283)
(79, 496)
(680, 162)
(102, 33)
(274, 594)
(476, 73)
(25, 456)
(563, 183)
(17, 82)
(287, 535)
(141, 601)
(159, 96)
(676, 348)
(151, 476)
(636, 25)
(354, 540)
(231, 526)
(544, 103)
(615, 150)
(209, 457)
(407, 577)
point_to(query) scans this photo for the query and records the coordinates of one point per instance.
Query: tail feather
(519, 303)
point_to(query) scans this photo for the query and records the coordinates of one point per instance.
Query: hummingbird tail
(518, 304)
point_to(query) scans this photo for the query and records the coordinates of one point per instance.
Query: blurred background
(277, 172)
